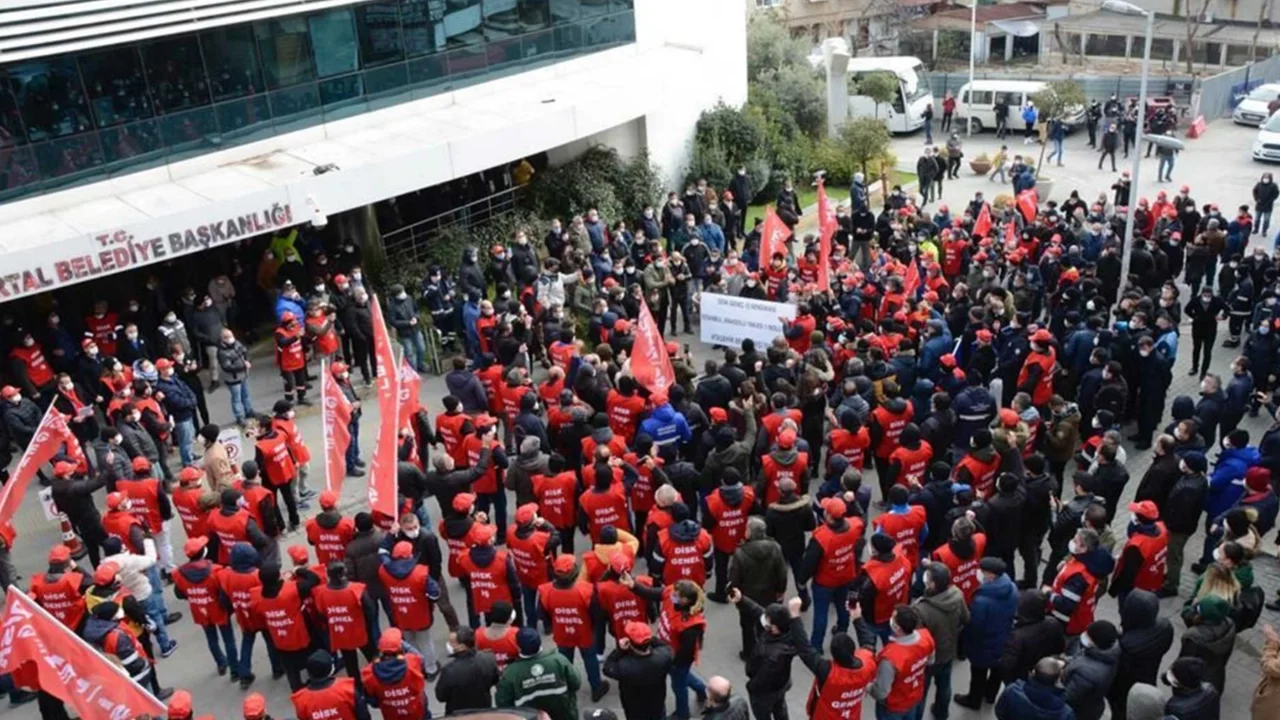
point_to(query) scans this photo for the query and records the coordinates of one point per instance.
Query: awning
(1017, 28)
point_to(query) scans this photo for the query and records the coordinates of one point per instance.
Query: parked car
(1255, 108)
(1267, 145)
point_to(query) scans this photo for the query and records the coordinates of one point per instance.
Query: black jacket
(1035, 635)
(1087, 678)
(467, 682)
(1145, 638)
(1037, 513)
(1159, 479)
(1005, 527)
(642, 680)
(1202, 703)
(1181, 510)
(788, 520)
(759, 570)
(769, 665)
(74, 496)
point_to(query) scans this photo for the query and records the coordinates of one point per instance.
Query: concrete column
(935, 44)
(1222, 55)
(1084, 42)
(1008, 48)
(1128, 47)
(1177, 45)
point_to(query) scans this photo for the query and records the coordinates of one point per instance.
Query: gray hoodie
(944, 614)
(531, 461)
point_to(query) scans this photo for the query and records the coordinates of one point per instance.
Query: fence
(409, 243)
(1219, 95)
(1097, 87)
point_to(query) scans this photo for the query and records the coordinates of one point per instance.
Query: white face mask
(413, 534)
(449, 649)
(1074, 548)
(1217, 554)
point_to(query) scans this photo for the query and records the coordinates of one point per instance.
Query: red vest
(504, 648)
(284, 617)
(343, 612)
(103, 331)
(144, 501)
(607, 508)
(410, 607)
(289, 429)
(773, 278)
(204, 597)
(840, 697)
(279, 468)
(1043, 389)
(806, 324)
(511, 398)
(624, 413)
(229, 530)
(891, 424)
(326, 341)
(684, 560)
(556, 495)
(561, 354)
(292, 356)
(336, 702)
(965, 573)
(570, 611)
(117, 523)
(643, 488)
(851, 445)
(731, 520)
(617, 447)
(983, 474)
(449, 430)
(773, 422)
(239, 588)
(775, 472)
(914, 463)
(909, 662)
(906, 529)
(187, 502)
(892, 581)
(1154, 550)
(487, 484)
(253, 498)
(953, 257)
(1083, 615)
(406, 699)
(330, 543)
(488, 583)
(673, 622)
(839, 564)
(61, 597)
(621, 605)
(491, 379)
(530, 556)
(32, 358)
(458, 548)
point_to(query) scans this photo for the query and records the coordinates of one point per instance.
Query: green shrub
(600, 179)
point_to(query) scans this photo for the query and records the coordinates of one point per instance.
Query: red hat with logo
(834, 507)
(59, 554)
(195, 546)
(1145, 509)
(86, 343)
(564, 564)
(392, 641)
(463, 502)
(638, 633)
(328, 499)
(255, 707)
(526, 513)
(483, 533)
(115, 500)
(299, 554)
(287, 316)
(141, 464)
(787, 439)
(402, 550)
(339, 279)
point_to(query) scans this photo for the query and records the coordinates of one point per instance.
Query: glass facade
(90, 116)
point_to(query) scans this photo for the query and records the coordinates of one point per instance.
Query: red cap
(1257, 478)
(1042, 336)
(621, 562)
(59, 554)
(564, 564)
(8, 392)
(984, 335)
(255, 707)
(87, 342)
(328, 499)
(63, 469)
(180, 706)
(1145, 509)
(483, 421)
(1008, 417)
(194, 546)
(610, 283)
(622, 325)
(115, 500)
(105, 574)
(638, 632)
(190, 474)
(673, 348)
(718, 415)
(526, 513)
(947, 361)
(392, 641)
(931, 297)
(164, 364)
(141, 464)
(287, 316)
(299, 554)
(787, 439)
(402, 550)
(339, 279)
(834, 507)
(463, 502)
(483, 533)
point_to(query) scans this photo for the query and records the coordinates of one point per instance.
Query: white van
(906, 112)
(977, 100)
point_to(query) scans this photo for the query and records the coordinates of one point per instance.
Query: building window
(51, 97)
(231, 59)
(422, 22)
(379, 30)
(286, 51)
(333, 41)
(117, 88)
(176, 74)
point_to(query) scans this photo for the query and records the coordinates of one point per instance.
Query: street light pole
(973, 52)
(1127, 252)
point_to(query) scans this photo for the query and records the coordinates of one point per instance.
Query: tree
(1194, 19)
(799, 93)
(771, 47)
(1264, 12)
(882, 87)
(1054, 102)
(864, 140)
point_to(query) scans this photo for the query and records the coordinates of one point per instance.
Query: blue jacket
(932, 352)
(1226, 484)
(1030, 700)
(1239, 393)
(975, 409)
(1029, 114)
(713, 236)
(1267, 506)
(1079, 347)
(179, 400)
(285, 304)
(991, 616)
(666, 426)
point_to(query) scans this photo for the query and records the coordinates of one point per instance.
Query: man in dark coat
(640, 664)
(1193, 697)
(1181, 515)
(759, 570)
(1035, 635)
(1144, 639)
(74, 496)
(1038, 696)
(991, 613)
(780, 639)
(1161, 475)
(1004, 531)
(1091, 670)
(1039, 486)
(467, 682)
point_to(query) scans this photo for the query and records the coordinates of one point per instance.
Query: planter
(1044, 188)
(980, 167)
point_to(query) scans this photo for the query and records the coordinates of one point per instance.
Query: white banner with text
(728, 320)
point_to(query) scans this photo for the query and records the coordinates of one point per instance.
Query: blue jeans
(184, 431)
(241, 405)
(823, 597)
(246, 654)
(530, 598)
(1262, 223)
(684, 679)
(883, 713)
(589, 661)
(353, 450)
(211, 633)
(928, 131)
(156, 612)
(498, 502)
(1161, 172)
(415, 349)
(942, 701)
(1057, 150)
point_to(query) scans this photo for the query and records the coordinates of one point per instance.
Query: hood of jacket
(95, 629)
(760, 550)
(1047, 701)
(390, 671)
(197, 572)
(785, 457)
(896, 405)
(685, 530)
(1141, 610)
(949, 601)
(1246, 456)
(663, 413)
(1001, 590)
(401, 567)
(790, 502)
(1031, 608)
(1098, 561)
(482, 555)
(1109, 657)
(602, 435)
(1183, 408)
(328, 519)
(732, 494)
(244, 557)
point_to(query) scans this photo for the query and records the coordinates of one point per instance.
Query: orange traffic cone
(70, 539)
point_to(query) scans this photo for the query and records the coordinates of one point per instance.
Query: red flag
(50, 435)
(410, 384)
(45, 654)
(911, 279)
(773, 236)
(827, 225)
(650, 363)
(1029, 204)
(382, 468)
(1010, 236)
(337, 436)
(982, 225)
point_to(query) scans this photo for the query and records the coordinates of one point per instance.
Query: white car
(1267, 144)
(1253, 109)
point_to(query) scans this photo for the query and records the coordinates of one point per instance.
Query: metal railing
(409, 243)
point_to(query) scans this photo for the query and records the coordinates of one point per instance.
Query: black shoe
(277, 674)
(164, 694)
(304, 401)
(215, 385)
(1163, 593)
(1274, 605)
(964, 701)
(1142, 445)
(1193, 372)
(246, 681)
(172, 618)
(361, 464)
(1134, 438)
(805, 602)
(1198, 567)
(222, 670)
(355, 473)
(601, 691)
(719, 598)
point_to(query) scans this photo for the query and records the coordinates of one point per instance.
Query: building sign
(48, 267)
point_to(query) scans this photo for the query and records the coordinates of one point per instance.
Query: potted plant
(980, 165)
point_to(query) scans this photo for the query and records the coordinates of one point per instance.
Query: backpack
(1248, 607)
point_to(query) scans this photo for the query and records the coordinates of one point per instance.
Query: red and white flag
(982, 225)
(650, 363)
(337, 435)
(382, 467)
(827, 225)
(42, 653)
(410, 386)
(49, 438)
(773, 237)
(1029, 204)
(1010, 236)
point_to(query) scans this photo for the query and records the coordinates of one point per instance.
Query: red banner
(827, 225)
(1029, 204)
(337, 436)
(911, 279)
(650, 363)
(982, 225)
(1010, 236)
(50, 435)
(44, 654)
(410, 386)
(773, 237)
(382, 468)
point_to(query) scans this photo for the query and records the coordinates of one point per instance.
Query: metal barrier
(1218, 95)
(409, 243)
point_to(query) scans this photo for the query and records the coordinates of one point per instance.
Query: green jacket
(548, 682)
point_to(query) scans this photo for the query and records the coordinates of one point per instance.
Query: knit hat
(1213, 609)
(1189, 672)
(882, 543)
(993, 565)
(1102, 634)
(1196, 462)
(1146, 702)
(319, 665)
(463, 502)
(529, 642)
(1105, 419)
